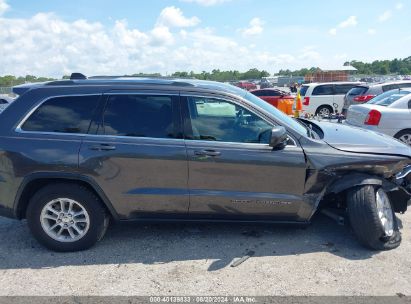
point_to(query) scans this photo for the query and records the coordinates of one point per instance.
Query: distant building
(329, 75)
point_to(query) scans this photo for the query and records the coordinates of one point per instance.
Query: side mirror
(278, 138)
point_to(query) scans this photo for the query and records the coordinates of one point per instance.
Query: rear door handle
(207, 153)
(102, 147)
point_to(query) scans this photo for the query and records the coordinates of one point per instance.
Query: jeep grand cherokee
(77, 153)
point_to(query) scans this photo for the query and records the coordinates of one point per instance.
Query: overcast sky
(56, 37)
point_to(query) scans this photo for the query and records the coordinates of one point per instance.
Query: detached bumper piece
(401, 198)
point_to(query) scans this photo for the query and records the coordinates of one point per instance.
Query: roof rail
(77, 76)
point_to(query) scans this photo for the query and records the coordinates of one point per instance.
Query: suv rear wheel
(66, 217)
(372, 218)
(324, 111)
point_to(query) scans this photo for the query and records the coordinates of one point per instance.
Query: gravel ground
(195, 259)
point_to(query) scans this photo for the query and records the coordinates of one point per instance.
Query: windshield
(389, 97)
(280, 116)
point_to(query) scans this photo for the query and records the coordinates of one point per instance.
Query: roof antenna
(77, 76)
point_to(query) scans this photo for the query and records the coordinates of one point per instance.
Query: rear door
(136, 154)
(322, 95)
(233, 172)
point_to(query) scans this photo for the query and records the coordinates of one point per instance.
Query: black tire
(364, 220)
(98, 218)
(322, 108)
(404, 136)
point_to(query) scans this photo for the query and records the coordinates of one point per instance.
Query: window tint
(3, 101)
(139, 116)
(70, 114)
(388, 98)
(405, 85)
(220, 120)
(303, 90)
(358, 90)
(273, 93)
(389, 87)
(258, 93)
(327, 89)
(342, 89)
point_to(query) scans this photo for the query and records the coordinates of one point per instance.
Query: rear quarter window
(303, 90)
(69, 114)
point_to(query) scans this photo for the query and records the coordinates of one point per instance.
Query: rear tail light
(373, 118)
(306, 101)
(363, 98)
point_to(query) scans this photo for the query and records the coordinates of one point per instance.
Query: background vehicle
(365, 92)
(4, 102)
(265, 83)
(246, 85)
(388, 113)
(77, 153)
(318, 98)
(279, 99)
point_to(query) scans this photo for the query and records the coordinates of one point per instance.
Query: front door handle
(207, 153)
(102, 147)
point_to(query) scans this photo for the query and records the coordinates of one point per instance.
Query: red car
(246, 85)
(279, 99)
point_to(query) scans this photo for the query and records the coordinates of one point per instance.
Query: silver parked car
(365, 92)
(388, 113)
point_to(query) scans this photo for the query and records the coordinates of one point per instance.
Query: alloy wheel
(406, 138)
(324, 111)
(65, 220)
(385, 213)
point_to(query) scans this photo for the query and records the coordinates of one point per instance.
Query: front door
(137, 156)
(233, 172)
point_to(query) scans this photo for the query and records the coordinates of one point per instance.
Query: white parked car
(321, 98)
(388, 113)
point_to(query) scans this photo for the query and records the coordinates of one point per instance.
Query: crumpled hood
(354, 139)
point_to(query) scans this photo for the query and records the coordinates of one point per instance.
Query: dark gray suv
(75, 154)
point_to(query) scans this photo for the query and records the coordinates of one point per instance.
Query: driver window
(219, 120)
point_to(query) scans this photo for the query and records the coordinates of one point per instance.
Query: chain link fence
(5, 91)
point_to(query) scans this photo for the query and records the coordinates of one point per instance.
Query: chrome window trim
(234, 100)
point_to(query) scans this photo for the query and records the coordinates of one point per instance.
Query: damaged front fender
(331, 172)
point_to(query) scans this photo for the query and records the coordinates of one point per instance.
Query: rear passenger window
(138, 116)
(324, 90)
(404, 85)
(258, 93)
(69, 114)
(389, 87)
(342, 89)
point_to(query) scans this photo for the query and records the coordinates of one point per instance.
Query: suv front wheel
(372, 218)
(66, 217)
